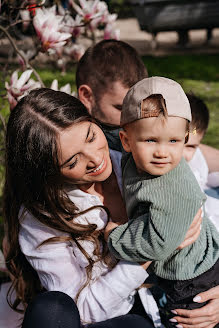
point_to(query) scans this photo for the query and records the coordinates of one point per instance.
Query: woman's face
(84, 156)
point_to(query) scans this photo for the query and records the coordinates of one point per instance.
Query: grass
(199, 74)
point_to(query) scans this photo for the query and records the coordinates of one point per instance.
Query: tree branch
(28, 65)
(3, 122)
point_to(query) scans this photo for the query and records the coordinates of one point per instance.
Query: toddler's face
(191, 146)
(157, 143)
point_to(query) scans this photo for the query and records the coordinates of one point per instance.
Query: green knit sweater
(161, 210)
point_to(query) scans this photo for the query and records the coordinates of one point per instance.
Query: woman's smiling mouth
(99, 169)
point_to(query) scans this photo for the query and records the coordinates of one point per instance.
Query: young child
(209, 182)
(162, 194)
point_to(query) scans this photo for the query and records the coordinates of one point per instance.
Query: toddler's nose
(161, 152)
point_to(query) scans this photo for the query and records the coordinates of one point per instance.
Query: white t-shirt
(206, 181)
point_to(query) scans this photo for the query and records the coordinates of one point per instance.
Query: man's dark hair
(107, 62)
(200, 113)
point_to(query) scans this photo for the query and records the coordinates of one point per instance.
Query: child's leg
(180, 293)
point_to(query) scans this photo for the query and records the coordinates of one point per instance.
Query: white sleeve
(213, 180)
(61, 267)
(206, 180)
(199, 168)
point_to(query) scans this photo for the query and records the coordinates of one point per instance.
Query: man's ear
(125, 141)
(85, 94)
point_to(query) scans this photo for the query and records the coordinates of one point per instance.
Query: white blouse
(206, 181)
(61, 266)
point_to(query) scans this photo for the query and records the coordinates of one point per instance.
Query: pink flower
(76, 51)
(19, 87)
(111, 33)
(28, 55)
(48, 27)
(25, 16)
(89, 10)
(73, 26)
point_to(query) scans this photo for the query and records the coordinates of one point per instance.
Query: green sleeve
(155, 235)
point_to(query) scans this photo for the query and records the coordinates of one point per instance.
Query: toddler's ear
(125, 140)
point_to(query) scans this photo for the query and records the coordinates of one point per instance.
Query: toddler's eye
(150, 140)
(173, 141)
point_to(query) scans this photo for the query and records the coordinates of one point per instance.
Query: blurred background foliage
(120, 7)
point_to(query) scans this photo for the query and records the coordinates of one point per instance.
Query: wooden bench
(177, 15)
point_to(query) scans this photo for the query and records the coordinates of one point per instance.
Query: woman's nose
(93, 158)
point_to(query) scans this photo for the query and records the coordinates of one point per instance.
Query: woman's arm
(212, 157)
(205, 317)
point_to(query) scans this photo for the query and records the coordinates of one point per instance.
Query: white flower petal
(24, 78)
(66, 88)
(54, 85)
(12, 101)
(14, 78)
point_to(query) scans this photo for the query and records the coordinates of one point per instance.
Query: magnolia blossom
(73, 26)
(19, 87)
(25, 16)
(66, 88)
(76, 51)
(48, 27)
(95, 15)
(103, 18)
(27, 55)
(89, 10)
(111, 33)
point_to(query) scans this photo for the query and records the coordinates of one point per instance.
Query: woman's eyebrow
(88, 131)
(70, 158)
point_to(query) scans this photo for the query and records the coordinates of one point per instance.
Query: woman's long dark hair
(33, 180)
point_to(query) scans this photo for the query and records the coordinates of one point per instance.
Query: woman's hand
(193, 232)
(109, 227)
(205, 317)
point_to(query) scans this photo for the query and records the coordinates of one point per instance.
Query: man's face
(108, 109)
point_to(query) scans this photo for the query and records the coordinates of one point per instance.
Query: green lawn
(199, 74)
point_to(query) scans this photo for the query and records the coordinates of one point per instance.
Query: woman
(58, 189)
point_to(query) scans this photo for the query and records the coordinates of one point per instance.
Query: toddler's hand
(109, 227)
